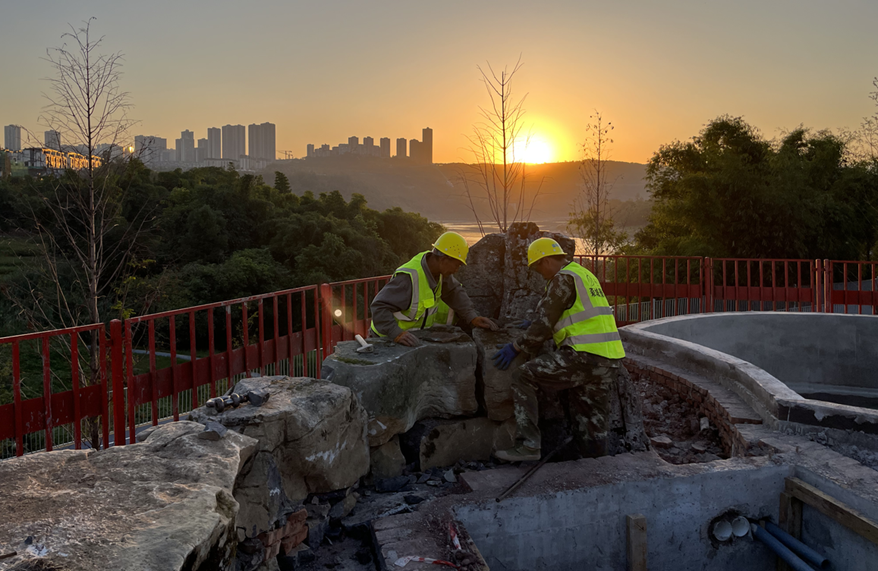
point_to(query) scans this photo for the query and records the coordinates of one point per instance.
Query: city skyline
(658, 71)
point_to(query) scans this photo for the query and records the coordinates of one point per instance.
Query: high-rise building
(353, 144)
(186, 147)
(416, 150)
(385, 147)
(310, 150)
(427, 148)
(149, 148)
(262, 141)
(52, 140)
(201, 151)
(12, 137)
(234, 139)
(401, 144)
(214, 143)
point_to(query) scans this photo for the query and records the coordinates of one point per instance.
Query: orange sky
(325, 71)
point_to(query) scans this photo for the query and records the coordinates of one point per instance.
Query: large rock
(497, 278)
(165, 503)
(387, 460)
(260, 493)
(314, 430)
(522, 288)
(446, 442)
(483, 275)
(400, 385)
(495, 386)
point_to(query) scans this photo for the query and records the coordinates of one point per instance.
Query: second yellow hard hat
(542, 247)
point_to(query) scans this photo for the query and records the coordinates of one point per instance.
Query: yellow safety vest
(444, 314)
(588, 326)
(424, 302)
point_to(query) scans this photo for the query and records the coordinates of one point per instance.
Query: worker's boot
(520, 453)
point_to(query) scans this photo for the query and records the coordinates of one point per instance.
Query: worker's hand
(504, 357)
(407, 339)
(523, 324)
(484, 323)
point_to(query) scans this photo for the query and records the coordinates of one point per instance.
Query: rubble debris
(679, 434)
(394, 484)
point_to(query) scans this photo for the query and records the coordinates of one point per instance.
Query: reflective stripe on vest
(444, 314)
(424, 301)
(588, 325)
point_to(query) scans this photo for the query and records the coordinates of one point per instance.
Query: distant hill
(436, 191)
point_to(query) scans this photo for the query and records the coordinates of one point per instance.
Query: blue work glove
(523, 324)
(504, 357)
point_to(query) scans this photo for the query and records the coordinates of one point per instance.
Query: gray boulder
(387, 460)
(447, 442)
(314, 430)
(522, 288)
(400, 385)
(496, 276)
(483, 276)
(495, 386)
(165, 503)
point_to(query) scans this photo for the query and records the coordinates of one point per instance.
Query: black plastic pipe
(797, 546)
(779, 549)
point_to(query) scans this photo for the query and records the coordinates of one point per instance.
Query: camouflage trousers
(591, 381)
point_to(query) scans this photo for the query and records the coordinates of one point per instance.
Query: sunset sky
(323, 71)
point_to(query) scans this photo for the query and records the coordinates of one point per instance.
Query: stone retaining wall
(724, 410)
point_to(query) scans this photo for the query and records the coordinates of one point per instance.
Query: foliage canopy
(731, 193)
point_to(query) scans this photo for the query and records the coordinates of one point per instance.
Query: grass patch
(15, 252)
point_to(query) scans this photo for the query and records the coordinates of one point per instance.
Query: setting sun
(536, 151)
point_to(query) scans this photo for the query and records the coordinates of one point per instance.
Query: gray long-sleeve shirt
(397, 296)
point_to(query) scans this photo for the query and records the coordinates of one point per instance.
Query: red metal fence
(140, 376)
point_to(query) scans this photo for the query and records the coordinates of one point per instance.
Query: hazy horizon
(325, 71)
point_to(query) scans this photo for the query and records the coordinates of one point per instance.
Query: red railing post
(707, 282)
(132, 397)
(827, 287)
(118, 382)
(74, 381)
(16, 399)
(47, 393)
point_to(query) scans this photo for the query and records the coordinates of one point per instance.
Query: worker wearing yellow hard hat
(575, 314)
(424, 288)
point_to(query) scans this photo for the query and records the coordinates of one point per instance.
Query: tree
(281, 182)
(498, 170)
(731, 193)
(592, 218)
(86, 241)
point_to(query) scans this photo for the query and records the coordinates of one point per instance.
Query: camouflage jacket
(559, 297)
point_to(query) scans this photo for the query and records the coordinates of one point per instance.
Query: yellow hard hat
(542, 247)
(452, 244)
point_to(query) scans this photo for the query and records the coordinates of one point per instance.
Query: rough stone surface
(626, 421)
(482, 276)
(495, 386)
(497, 276)
(400, 385)
(522, 288)
(314, 430)
(165, 503)
(447, 442)
(387, 460)
(260, 492)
